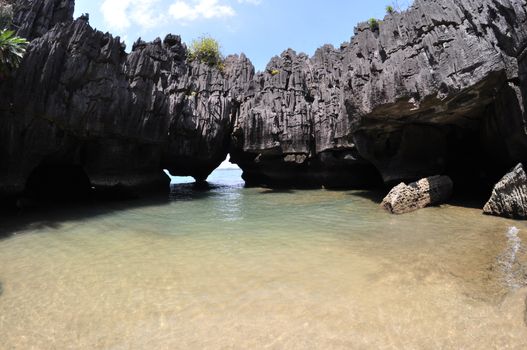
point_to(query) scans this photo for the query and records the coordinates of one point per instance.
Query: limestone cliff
(438, 89)
(80, 104)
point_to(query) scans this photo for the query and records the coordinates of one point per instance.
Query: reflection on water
(514, 271)
(231, 267)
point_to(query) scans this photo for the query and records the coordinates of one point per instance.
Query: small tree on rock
(374, 24)
(206, 50)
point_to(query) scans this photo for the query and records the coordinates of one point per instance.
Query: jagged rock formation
(294, 129)
(80, 105)
(440, 88)
(509, 197)
(404, 198)
(35, 18)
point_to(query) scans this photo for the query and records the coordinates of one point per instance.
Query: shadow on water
(276, 190)
(54, 210)
(194, 191)
(472, 201)
(53, 214)
(375, 196)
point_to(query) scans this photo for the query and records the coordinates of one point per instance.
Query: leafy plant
(274, 72)
(390, 10)
(12, 50)
(374, 24)
(206, 50)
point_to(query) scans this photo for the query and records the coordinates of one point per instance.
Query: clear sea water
(252, 268)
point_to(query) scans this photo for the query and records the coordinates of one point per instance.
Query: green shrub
(206, 50)
(274, 72)
(390, 10)
(12, 49)
(374, 24)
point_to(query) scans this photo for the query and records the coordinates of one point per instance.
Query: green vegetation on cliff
(206, 50)
(12, 49)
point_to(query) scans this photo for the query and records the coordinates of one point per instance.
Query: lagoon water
(252, 268)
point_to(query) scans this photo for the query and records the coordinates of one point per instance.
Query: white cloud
(254, 2)
(114, 13)
(143, 13)
(190, 11)
(121, 14)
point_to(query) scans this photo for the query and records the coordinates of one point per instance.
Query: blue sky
(259, 28)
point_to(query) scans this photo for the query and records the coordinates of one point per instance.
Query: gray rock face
(294, 129)
(509, 197)
(80, 104)
(33, 18)
(439, 88)
(418, 195)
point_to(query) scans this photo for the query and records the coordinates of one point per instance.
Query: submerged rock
(417, 195)
(509, 197)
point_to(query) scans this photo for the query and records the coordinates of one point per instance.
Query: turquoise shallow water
(235, 267)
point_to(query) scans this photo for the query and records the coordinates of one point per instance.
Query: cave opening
(58, 183)
(480, 155)
(475, 137)
(473, 171)
(225, 174)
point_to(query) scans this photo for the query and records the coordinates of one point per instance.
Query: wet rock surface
(509, 197)
(426, 192)
(440, 88)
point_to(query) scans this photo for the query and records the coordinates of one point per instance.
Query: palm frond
(12, 50)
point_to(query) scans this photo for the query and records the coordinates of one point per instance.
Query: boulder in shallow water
(417, 195)
(509, 197)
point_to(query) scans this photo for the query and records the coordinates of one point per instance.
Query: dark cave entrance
(472, 169)
(58, 182)
(481, 154)
(475, 137)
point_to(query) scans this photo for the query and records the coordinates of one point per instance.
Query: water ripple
(233, 267)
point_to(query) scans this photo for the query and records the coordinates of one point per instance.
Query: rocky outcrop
(80, 104)
(509, 197)
(418, 195)
(439, 88)
(294, 130)
(35, 18)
